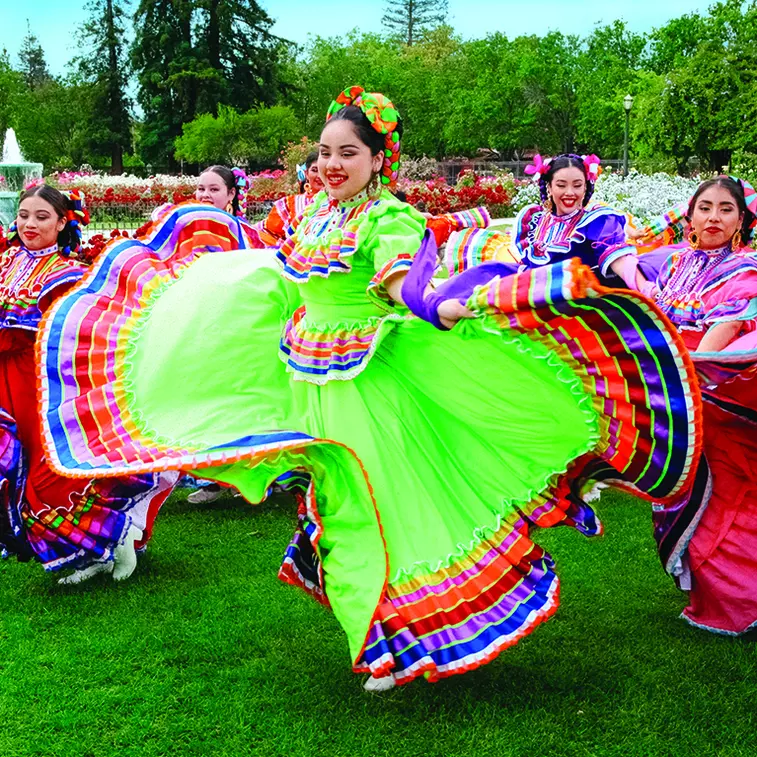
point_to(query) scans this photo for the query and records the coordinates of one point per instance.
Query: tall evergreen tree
(192, 56)
(11, 86)
(106, 67)
(33, 65)
(238, 44)
(406, 19)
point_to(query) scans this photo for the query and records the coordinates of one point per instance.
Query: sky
(55, 22)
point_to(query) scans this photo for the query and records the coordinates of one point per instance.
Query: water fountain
(17, 173)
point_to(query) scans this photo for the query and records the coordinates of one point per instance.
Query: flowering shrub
(528, 194)
(437, 197)
(95, 244)
(419, 169)
(114, 200)
(643, 196)
(268, 186)
(294, 154)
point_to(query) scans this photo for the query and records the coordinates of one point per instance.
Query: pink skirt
(723, 550)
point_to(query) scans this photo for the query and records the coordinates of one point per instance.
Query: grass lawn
(204, 652)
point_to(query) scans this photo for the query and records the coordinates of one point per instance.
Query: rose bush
(111, 198)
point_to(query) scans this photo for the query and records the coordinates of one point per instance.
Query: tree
(52, 124)
(238, 45)
(192, 56)
(608, 65)
(33, 65)
(257, 136)
(11, 86)
(406, 19)
(169, 74)
(106, 67)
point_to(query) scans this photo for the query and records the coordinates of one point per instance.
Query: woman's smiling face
(568, 187)
(38, 223)
(345, 162)
(211, 188)
(715, 218)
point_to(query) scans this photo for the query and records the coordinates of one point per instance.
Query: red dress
(708, 540)
(63, 522)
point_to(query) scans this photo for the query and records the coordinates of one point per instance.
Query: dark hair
(311, 158)
(67, 237)
(367, 134)
(231, 183)
(736, 191)
(567, 160)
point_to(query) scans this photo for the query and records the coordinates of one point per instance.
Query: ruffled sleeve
(607, 236)
(735, 299)
(666, 270)
(442, 226)
(673, 222)
(523, 228)
(392, 244)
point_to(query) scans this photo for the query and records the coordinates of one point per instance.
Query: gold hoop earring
(694, 240)
(230, 207)
(736, 240)
(374, 185)
(548, 204)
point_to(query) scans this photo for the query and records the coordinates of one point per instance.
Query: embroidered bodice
(699, 288)
(593, 234)
(341, 254)
(28, 279)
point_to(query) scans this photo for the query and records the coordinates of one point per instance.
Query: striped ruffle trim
(120, 284)
(377, 287)
(474, 218)
(330, 251)
(319, 353)
(631, 361)
(463, 616)
(471, 247)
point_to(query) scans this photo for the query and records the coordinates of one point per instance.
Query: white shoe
(125, 556)
(204, 495)
(79, 576)
(595, 492)
(377, 685)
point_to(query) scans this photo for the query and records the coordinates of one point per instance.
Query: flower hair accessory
(538, 168)
(242, 183)
(383, 117)
(76, 217)
(302, 172)
(750, 198)
(593, 167)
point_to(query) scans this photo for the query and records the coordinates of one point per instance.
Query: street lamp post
(627, 104)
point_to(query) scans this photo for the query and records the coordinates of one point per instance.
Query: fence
(104, 217)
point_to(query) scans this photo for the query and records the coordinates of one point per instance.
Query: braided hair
(69, 206)
(233, 179)
(567, 160)
(736, 190)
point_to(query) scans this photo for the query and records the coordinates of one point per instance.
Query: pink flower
(538, 168)
(593, 166)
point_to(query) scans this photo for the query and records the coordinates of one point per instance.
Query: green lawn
(204, 652)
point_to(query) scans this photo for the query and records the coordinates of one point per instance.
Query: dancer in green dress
(429, 439)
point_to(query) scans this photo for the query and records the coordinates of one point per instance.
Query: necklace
(553, 230)
(691, 272)
(40, 253)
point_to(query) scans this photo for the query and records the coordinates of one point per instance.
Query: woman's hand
(451, 311)
(637, 234)
(719, 336)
